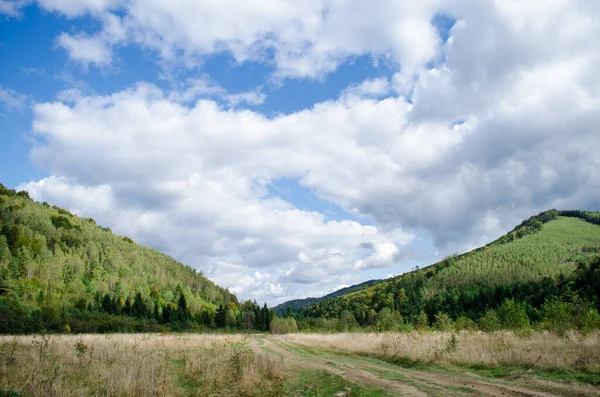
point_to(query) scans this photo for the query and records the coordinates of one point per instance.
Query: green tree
(388, 320)
(513, 316)
(5, 255)
(221, 316)
(183, 313)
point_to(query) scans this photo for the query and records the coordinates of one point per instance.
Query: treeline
(109, 314)
(62, 273)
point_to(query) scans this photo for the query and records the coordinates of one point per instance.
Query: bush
(421, 322)
(464, 324)
(347, 322)
(283, 325)
(490, 322)
(443, 322)
(388, 320)
(513, 316)
(561, 316)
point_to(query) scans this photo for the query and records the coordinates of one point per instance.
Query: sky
(290, 148)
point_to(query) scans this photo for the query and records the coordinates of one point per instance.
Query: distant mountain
(542, 258)
(296, 304)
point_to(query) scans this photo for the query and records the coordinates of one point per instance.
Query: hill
(60, 272)
(545, 257)
(296, 304)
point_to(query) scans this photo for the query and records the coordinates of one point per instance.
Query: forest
(63, 273)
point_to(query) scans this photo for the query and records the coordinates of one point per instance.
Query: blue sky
(268, 144)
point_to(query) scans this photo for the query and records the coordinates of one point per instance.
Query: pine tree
(107, 304)
(183, 313)
(221, 317)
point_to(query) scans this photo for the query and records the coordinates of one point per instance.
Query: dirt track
(408, 382)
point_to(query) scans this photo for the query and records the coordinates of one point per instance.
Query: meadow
(352, 364)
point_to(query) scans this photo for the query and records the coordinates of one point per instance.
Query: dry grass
(134, 365)
(550, 351)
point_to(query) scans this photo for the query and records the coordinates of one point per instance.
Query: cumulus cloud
(493, 125)
(376, 87)
(86, 49)
(192, 181)
(301, 39)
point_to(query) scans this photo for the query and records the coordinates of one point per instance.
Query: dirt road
(409, 382)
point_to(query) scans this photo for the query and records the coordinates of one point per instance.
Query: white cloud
(12, 8)
(376, 87)
(302, 39)
(194, 89)
(192, 181)
(86, 49)
(75, 8)
(11, 99)
(501, 125)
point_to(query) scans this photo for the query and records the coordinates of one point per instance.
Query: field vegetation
(156, 365)
(384, 364)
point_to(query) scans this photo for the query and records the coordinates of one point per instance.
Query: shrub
(283, 325)
(464, 323)
(443, 322)
(388, 320)
(490, 322)
(513, 316)
(421, 322)
(561, 316)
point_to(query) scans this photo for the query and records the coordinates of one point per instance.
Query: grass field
(414, 364)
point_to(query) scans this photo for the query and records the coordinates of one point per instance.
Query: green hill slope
(543, 258)
(555, 250)
(57, 269)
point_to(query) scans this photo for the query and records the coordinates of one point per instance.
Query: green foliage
(562, 316)
(81, 348)
(464, 324)
(490, 322)
(513, 316)
(347, 322)
(443, 322)
(388, 320)
(284, 325)
(57, 269)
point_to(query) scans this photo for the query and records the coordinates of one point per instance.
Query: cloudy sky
(287, 148)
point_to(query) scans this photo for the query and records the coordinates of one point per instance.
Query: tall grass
(572, 352)
(135, 365)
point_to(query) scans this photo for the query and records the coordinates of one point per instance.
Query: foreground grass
(320, 383)
(156, 365)
(573, 357)
(226, 365)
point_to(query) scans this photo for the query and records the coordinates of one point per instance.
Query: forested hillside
(61, 272)
(549, 259)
